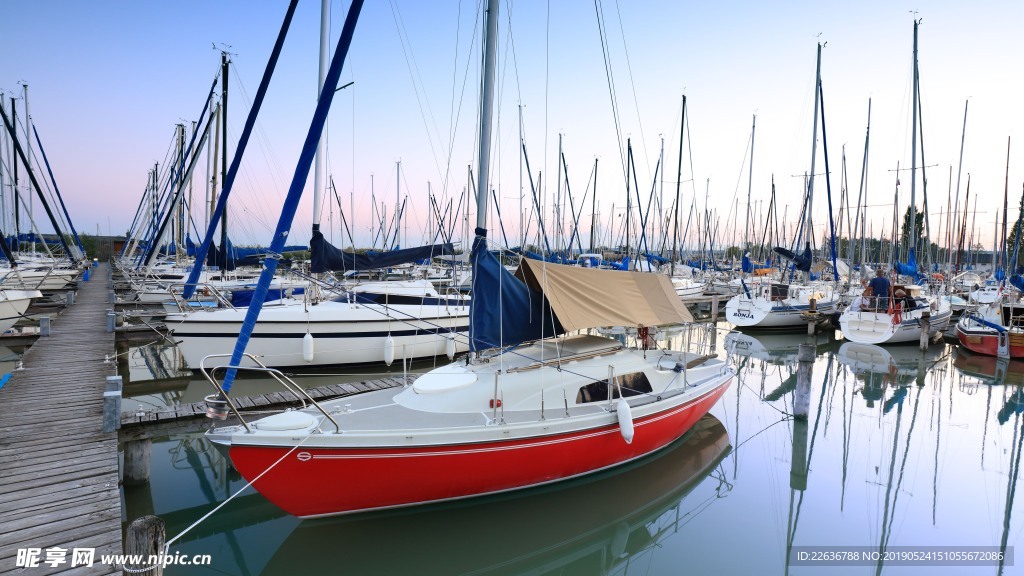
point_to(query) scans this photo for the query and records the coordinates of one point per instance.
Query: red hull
(987, 343)
(327, 481)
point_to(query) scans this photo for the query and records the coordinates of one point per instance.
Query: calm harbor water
(900, 449)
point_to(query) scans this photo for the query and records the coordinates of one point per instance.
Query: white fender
(389, 350)
(449, 347)
(625, 421)
(308, 347)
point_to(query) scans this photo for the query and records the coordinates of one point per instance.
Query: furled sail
(801, 261)
(326, 258)
(504, 311)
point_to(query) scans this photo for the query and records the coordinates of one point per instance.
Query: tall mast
(17, 208)
(486, 110)
(593, 208)
(862, 198)
(318, 185)
(224, 152)
(209, 199)
(213, 174)
(398, 201)
(1006, 192)
(814, 147)
(957, 225)
(522, 230)
(912, 233)
(750, 182)
(28, 157)
(558, 200)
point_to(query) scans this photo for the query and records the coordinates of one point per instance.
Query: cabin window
(632, 385)
(780, 292)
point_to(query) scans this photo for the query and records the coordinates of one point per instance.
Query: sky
(109, 80)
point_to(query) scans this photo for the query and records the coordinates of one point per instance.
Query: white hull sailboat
(882, 325)
(780, 306)
(399, 320)
(13, 305)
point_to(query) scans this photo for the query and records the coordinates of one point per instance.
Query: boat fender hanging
(449, 346)
(308, 347)
(625, 416)
(389, 350)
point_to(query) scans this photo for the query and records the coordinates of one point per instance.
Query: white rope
(167, 546)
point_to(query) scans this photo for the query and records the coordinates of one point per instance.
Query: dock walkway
(59, 480)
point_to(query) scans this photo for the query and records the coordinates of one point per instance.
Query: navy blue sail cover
(504, 311)
(801, 261)
(326, 258)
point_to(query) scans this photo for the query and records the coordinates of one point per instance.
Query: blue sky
(109, 80)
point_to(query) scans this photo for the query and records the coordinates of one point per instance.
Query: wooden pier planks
(58, 469)
(191, 418)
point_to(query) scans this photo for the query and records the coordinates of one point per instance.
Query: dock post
(110, 320)
(802, 396)
(926, 324)
(137, 457)
(113, 297)
(714, 307)
(812, 317)
(70, 300)
(145, 537)
(112, 404)
(44, 326)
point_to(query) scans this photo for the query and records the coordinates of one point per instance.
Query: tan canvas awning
(591, 297)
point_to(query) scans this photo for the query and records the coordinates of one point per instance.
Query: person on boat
(908, 301)
(862, 303)
(881, 289)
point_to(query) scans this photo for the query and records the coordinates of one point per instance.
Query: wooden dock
(59, 486)
(191, 418)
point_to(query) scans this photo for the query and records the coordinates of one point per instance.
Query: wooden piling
(145, 537)
(112, 404)
(137, 457)
(926, 320)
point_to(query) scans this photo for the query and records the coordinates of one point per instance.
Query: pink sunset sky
(108, 81)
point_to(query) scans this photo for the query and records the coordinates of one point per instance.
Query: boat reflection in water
(593, 525)
(895, 366)
(778, 349)
(1005, 373)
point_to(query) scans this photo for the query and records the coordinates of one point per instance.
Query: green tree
(1011, 239)
(905, 241)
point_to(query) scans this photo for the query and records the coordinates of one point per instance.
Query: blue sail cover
(326, 258)
(748, 265)
(1018, 281)
(652, 258)
(503, 310)
(910, 268)
(32, 237)
(1000, 274)
(802, 262)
